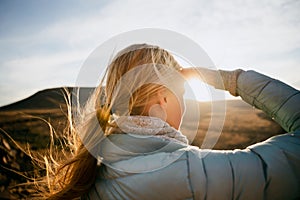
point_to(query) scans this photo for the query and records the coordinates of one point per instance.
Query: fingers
(188, 73)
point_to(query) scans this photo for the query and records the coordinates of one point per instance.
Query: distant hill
(49, 99)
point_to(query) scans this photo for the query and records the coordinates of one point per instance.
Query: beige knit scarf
(149, 126)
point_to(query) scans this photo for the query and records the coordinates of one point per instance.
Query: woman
(131, 148)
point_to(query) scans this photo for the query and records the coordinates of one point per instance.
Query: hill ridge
(48, 98)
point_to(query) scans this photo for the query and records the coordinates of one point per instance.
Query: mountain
(49, 99)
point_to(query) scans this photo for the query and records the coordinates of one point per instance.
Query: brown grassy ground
(242, 127)
(28, 128)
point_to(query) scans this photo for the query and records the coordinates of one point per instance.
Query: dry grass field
(243, 125)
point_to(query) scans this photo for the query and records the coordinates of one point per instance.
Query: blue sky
(44, 43)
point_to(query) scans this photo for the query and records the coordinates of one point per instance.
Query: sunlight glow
(197, 90)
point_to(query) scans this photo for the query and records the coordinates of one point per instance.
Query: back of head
(134, 72)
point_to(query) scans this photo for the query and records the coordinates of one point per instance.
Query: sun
(197, 90)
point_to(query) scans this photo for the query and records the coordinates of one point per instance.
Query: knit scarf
(149, 126)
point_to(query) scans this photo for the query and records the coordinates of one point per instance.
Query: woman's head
(143, 80)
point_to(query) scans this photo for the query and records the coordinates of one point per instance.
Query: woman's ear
(162, 97)
(159, 108)
(165, 99)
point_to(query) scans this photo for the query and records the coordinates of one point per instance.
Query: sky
(43, 44)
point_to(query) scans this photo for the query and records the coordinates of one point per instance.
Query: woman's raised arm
(278, 100)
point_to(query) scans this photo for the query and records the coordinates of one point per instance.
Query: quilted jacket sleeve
(275, 98)
(266, 170)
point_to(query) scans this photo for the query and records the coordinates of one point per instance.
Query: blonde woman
(127, 143)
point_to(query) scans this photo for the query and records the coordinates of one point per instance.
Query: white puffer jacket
(267, 170)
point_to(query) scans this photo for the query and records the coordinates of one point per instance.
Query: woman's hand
(209, 76)
(220, 79)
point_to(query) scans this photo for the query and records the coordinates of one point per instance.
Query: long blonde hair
(75, 172)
